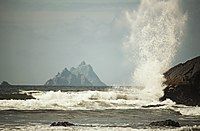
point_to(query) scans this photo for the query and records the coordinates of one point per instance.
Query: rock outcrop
(83, 75)
(17, 96)
(62, 123)
(183, 83)
(9, 92)
(165, 123)
(5, 84)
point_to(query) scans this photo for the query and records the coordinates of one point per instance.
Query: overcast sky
(39, 38)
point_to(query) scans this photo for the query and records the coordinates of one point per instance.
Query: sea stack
(83, 75)
(183, 83)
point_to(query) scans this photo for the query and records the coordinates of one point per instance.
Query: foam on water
(156, 30)
(75, 100)
(92, 100)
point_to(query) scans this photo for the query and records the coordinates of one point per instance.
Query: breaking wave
(116, 98)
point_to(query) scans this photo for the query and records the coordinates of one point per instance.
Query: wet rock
(62, 123)
(158, 105)
(8, 96)
(165, 123)
(183, 83)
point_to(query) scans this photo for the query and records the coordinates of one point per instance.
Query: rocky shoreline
(183, 83)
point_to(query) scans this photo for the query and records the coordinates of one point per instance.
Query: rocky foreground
(183, 83)
(165, 123)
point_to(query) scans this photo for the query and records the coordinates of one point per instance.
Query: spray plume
(156, 29)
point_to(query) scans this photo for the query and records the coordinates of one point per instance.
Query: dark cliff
(183, 83)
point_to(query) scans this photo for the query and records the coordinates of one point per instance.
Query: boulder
(62, 123)
(149, 106)
(165, 123)
(183, 83)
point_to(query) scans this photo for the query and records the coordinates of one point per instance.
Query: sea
(94, 108)
(156, 30)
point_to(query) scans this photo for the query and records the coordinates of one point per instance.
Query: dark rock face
(183, 83)
(15, 97)
(65, 124)
(165, 123)
(8, 92)
(158, 105)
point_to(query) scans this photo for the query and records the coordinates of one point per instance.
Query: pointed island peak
(83, 75)
(65, 69)
(82, 63)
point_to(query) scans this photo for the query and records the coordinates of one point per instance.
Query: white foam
(188, 110)
(112, 99)
(117, 98)
(156, 30)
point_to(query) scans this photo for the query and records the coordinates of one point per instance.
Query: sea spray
(156, 29)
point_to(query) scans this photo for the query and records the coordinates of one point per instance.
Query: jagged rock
(183, 83)
(66, 78)
(88, 72)
(168, 122)
(65, 124)
(184, 73)
(83, 75)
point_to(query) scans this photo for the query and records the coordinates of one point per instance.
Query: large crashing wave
(156, 31)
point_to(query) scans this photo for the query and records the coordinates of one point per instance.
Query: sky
(39, 38)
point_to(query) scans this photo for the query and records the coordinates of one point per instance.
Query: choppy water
(116, 108)
(156, 30)
(112, 118)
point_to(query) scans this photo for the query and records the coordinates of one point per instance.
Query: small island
(83, 75)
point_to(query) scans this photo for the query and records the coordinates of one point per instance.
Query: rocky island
(83, 75)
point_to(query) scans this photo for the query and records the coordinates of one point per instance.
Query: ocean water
(114, 108)
(156, 30)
